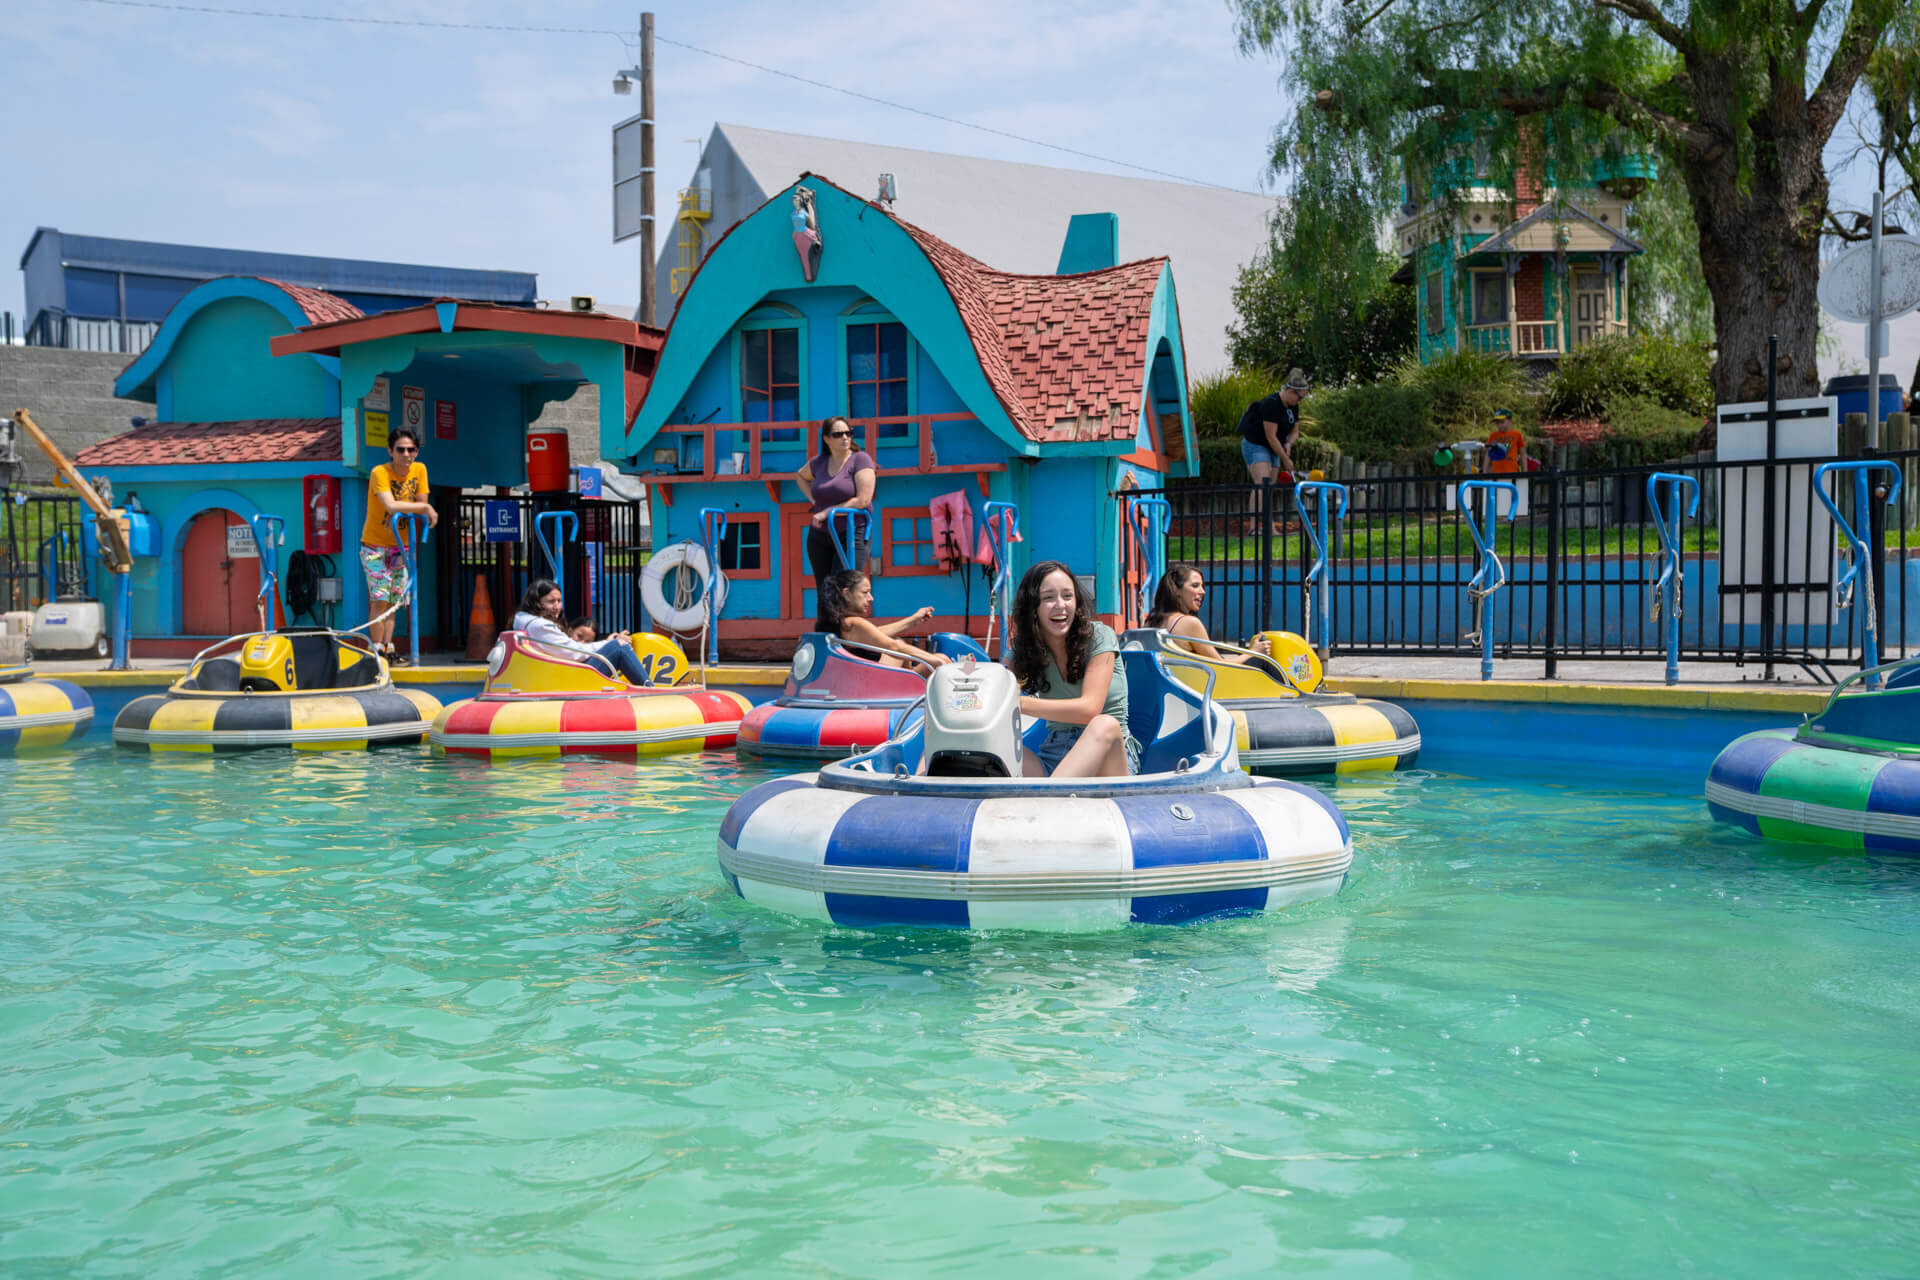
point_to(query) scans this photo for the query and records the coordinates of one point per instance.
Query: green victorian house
(1525, 269)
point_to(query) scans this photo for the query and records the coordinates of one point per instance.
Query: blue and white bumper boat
(874, 842)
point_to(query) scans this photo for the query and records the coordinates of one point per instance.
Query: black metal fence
(1582, 557)
(599, 565)
(41, 556)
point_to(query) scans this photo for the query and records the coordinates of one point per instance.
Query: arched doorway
(219, 576)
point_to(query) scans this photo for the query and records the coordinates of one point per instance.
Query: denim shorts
(1258, 454)
(1060, 739)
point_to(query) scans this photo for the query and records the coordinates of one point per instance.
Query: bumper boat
(1849, 776)
(837, 700)
(1282, 724)
(311, 690)
(543, 701)
(873, 841)
(39, 713)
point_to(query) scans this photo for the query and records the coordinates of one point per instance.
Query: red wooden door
(790, 562)
(217, 591)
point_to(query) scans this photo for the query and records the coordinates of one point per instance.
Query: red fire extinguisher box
(320, 497)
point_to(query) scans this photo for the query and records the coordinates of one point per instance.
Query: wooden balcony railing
(775, 462)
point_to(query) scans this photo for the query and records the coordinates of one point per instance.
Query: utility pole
(646, 169)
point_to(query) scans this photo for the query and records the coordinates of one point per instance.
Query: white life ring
(653, 593)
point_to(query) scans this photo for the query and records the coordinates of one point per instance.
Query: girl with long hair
(846, 611)
(1176, 610)
(1069, 670)
(541, 617)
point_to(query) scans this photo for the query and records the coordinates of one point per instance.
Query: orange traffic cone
(480, 630)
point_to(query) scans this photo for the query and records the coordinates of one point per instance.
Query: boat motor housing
(972, 726)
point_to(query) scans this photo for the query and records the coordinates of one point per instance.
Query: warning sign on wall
(376, 430)
(446, 422)
(413, 410)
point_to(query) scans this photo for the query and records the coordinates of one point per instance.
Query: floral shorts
(386, 572)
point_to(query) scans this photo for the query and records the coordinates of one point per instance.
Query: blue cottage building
(1053, 392)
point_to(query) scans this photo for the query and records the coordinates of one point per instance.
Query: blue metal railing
(1667, 518)
(1860, 562)
(713, 528)
(1317, 526)
(419, 529)
(1003, 526)
(268, 533)
(1491, 574)
(566, 528)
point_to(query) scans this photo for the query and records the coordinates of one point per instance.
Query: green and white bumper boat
(1848, 777)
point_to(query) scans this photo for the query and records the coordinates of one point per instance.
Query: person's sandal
(397, 658)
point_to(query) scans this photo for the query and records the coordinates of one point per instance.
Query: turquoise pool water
(387, 1015)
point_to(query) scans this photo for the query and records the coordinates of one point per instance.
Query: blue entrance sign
(503, 522)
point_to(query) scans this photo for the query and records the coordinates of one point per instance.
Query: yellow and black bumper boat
(1282, 724)
(36, 714)
(310, 690)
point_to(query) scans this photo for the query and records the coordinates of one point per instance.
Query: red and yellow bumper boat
(543, 701)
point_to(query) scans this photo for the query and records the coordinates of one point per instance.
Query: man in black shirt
(1269, 427)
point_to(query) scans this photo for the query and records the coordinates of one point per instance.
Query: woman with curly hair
(1069, 669)
(846, 611)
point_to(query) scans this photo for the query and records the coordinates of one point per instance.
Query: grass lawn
(1392, 540)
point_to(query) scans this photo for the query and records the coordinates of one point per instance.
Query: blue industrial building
(97, 293)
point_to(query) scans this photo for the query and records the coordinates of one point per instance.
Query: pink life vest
(952, 518)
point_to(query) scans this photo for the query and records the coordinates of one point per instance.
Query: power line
(624, 37)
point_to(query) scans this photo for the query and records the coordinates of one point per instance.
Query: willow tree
(1738, 96)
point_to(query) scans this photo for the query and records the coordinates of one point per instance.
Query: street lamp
(623, 80)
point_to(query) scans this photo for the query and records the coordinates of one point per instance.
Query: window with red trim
(877, 375)
(770, 378)
(906, 539)
(744, 549)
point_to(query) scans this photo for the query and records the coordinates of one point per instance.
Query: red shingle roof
(229, 443)
(1067, 355)
(321, 307)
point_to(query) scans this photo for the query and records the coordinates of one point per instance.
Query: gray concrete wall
(70, 394)
(581, 418)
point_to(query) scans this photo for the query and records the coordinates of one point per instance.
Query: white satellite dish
(1846, 286)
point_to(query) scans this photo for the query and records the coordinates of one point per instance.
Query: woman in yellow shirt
(395, 488)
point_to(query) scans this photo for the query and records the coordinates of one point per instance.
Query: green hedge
(1671, 372)
(1218, 401)
(1380, 423)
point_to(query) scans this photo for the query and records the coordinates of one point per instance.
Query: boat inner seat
(319, 662)
(1163, 715)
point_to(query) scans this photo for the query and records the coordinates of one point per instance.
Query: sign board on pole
(627, 174)
(1846, 286)
(446, 422)
(376, 430)
(413, 410)
(378, 397)
(1803, 553)
(503, 521)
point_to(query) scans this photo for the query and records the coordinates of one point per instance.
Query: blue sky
(488, 149)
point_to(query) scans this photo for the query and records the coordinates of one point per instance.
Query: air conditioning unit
(582, 302)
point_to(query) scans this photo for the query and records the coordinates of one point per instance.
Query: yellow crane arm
(113, 533)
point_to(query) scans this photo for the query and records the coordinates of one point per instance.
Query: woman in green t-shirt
(1069, 667)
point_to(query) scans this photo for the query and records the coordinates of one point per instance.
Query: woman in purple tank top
(838, 476)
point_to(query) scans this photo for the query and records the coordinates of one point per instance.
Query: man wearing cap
(1270, 426)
